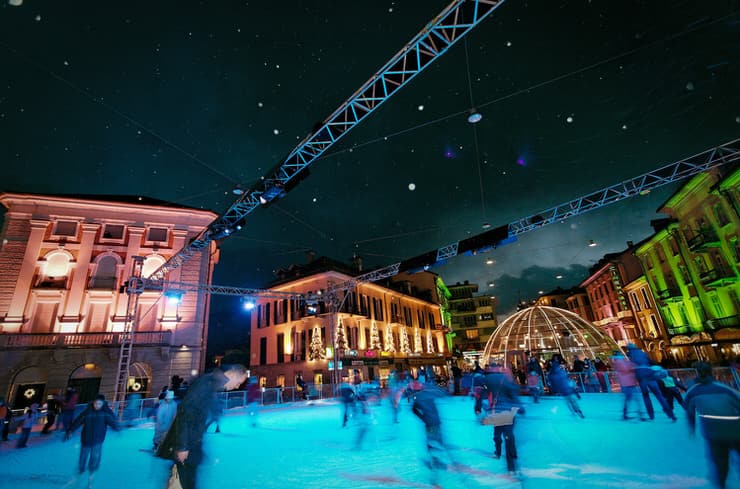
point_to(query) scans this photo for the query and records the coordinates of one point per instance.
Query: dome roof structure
(545, 331)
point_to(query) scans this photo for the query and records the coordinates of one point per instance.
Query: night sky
(182, 101)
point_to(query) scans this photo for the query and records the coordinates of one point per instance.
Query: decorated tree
(430, 342)
(375, 337)
(317, 345)
(405, 347)
(417, 341)
(341, 339)
(390, 345)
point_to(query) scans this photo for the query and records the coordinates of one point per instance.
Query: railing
(73, 340)
(704, 238)
(608, 381)
(725, 322)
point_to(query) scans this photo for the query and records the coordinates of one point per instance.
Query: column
(76, 294)
(14, 319)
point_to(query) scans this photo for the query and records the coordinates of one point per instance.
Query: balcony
(671, 294)
(725, 322)
(80, 340)
(717, 277)
(704, 239)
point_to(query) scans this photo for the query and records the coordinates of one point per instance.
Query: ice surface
(302, 445)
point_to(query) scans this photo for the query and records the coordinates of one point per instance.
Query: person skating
(625, 369)
(30, 416)
(563, 386)
(648, 382)
(718, 409)
(671, 386)
(53, 408)
(68, 407)
(95, 420)
(503, 396)
(425, 408)
(164, 416)
(5, 416)
(184, 441)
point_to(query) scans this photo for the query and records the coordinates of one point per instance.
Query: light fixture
(558, 277)
(248, 304)
(591, 243)
(237, 190)
(490, 261)
(474, 116)
(486, 225)
(173, 296)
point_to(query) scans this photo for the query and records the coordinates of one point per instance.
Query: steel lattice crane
(451, 25)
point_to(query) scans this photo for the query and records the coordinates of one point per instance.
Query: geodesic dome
(545, 331)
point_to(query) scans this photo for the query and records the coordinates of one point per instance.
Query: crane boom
(454, 22)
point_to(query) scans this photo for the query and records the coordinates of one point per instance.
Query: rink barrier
(136, 410)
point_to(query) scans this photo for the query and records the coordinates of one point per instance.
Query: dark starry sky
(182, 101)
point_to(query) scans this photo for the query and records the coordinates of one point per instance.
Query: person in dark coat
(503, 396)
(425, 408)
(53, 408)
(5, 416)
(718, 408)
(95, 420)
(68, 407)
(184, 441)
(562, 385)
(648, 381)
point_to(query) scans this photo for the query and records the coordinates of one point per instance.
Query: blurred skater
(165, 414)
(718, 408)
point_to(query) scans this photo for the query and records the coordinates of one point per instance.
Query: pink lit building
(63, 261)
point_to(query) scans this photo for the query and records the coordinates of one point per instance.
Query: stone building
(63, 261)
(473, 318)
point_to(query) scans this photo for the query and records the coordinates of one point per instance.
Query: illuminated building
(63, 262)
(691, 262)
(609, 303)
(375, 329)
(473, 318)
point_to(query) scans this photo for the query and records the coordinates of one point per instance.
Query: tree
(317, 345)
(430, 342)
(341, 339)
(375, 337)
(390, 345)
(417, 341)
(405, 347)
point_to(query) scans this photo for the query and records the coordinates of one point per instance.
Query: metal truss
(151, 285)
(720, 155)
(454, 22)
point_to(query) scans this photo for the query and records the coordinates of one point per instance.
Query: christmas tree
(405, 347)
(375, 337)
(430, 342)
(341, 338)
(317, 346)
(417, 341)
(389, 343)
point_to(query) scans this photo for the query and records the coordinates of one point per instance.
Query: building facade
(63, 262)
(375, 329)
(609, 302)
(691, 262)
(472, 319)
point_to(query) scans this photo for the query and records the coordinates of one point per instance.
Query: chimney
(357, 262)
(310, 256)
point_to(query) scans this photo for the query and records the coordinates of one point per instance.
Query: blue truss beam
(454, 22)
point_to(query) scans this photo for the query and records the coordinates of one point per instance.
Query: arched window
(55, 269)
(151, 264)
(106, 266)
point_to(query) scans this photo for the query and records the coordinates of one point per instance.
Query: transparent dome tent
(545, 331)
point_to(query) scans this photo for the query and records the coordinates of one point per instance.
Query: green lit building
(473, 319)
(691, 265)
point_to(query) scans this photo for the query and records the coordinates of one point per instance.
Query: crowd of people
(181, 418)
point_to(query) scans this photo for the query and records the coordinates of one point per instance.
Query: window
(431, 320)
(157, 234)
(151, 264)
(407, 316)
(635, 302)
(263, 351)
(280, 348)
(56, 267)
(718, 307)
(113, 231)
(674, 245)
(471, 334)
(661, 254)
(645, 298)
(65, 228)
(105, 272)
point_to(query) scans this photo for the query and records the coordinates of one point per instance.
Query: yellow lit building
(376, 329)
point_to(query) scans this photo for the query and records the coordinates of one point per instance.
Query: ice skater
(95, 420)
(648, 382)
(563, 386)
